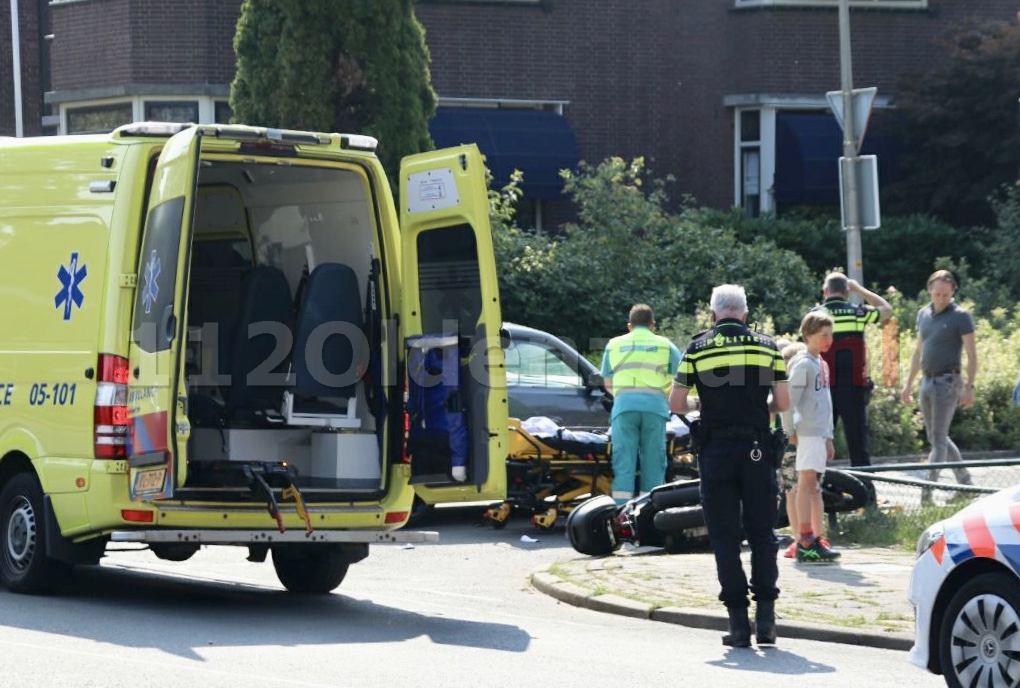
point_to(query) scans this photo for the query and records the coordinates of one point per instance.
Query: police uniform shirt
(848, 355)
(733, 369)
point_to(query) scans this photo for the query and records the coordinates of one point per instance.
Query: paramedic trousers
(739, 499)
(638, 434)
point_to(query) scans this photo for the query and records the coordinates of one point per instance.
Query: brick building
(725, 95)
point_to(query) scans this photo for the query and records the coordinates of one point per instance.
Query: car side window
(533, 365)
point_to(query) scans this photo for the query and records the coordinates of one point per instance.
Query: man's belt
(940, 373)
(736, 432)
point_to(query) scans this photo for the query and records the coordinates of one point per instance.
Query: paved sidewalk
(860, 600)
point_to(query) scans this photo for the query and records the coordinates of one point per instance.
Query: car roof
(523, 332)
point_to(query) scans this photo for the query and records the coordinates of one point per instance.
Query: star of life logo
(150, 288)
(70, 295)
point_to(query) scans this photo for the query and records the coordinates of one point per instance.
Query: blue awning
(536, 142)
(808, 148)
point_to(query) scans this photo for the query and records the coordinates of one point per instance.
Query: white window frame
(766, 148)
(91, 105)
(206, 106)
(515, 103)
(872, 4)
(768, 105)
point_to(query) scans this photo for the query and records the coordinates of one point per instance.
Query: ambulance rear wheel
(309, 570)
(24, 566)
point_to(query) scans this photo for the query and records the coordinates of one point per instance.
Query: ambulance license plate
(150, 481)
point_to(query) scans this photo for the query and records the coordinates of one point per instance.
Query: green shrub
(627, 247)
(895, 429)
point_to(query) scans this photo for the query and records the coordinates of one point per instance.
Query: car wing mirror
(504, 338)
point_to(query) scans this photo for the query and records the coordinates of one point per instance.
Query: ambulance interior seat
(331, 298)
(217, 271)
(265, 298)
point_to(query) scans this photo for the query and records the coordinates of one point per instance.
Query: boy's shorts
(788, 468)
(810, 454)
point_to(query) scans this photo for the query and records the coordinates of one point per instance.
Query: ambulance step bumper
(270, 537)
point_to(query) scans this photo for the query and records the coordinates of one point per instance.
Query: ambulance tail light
(111, 411)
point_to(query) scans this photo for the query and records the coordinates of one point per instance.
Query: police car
(965, 589)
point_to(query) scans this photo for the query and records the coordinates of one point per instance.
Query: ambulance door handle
(169, 323)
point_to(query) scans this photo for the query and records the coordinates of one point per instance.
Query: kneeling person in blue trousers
(638, 368)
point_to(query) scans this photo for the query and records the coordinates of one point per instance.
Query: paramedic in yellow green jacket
(638, 369)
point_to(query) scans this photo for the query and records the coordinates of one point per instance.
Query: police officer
(848, 358)
(734, 369)
(637, 368)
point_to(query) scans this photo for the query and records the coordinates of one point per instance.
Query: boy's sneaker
(791, 551)
(816, 553)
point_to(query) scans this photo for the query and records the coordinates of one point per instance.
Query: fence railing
(908, 500)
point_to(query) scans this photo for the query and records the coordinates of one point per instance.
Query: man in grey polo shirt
(943, 329)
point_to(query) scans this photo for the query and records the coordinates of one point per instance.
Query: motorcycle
(671, 516)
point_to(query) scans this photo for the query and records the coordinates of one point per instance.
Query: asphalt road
(458, 613)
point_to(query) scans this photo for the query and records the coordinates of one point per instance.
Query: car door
(543, 380)
(158, 426)
(450, 307)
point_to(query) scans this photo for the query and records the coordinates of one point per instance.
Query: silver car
(546, 376)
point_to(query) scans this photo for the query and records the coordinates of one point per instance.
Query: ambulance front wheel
(310, 569)
(24, 566)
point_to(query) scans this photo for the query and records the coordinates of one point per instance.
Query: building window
(750, 162)
(873, 4)
(173, 111)
(223, 112)
(95, 116)
(528, 213)
(98, 119)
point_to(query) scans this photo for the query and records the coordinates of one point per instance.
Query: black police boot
(765, 622)
(740, 628)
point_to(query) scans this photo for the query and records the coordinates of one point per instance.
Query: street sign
(867, 190)
(863, 99)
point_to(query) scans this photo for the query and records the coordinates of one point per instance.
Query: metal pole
(19, 127)
(854, 261)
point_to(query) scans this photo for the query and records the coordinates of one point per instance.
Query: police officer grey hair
(729, 298)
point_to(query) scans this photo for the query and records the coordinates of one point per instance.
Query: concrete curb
(577, 596)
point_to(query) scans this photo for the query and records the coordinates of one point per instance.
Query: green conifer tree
(351, 66)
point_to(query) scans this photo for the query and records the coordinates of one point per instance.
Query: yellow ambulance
(232, 335)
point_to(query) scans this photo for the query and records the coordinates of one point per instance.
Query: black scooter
(671, 517)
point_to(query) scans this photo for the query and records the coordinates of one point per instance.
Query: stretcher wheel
(545, 520)
(499, 516)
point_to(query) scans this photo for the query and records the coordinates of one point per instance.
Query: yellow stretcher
(549, 477)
